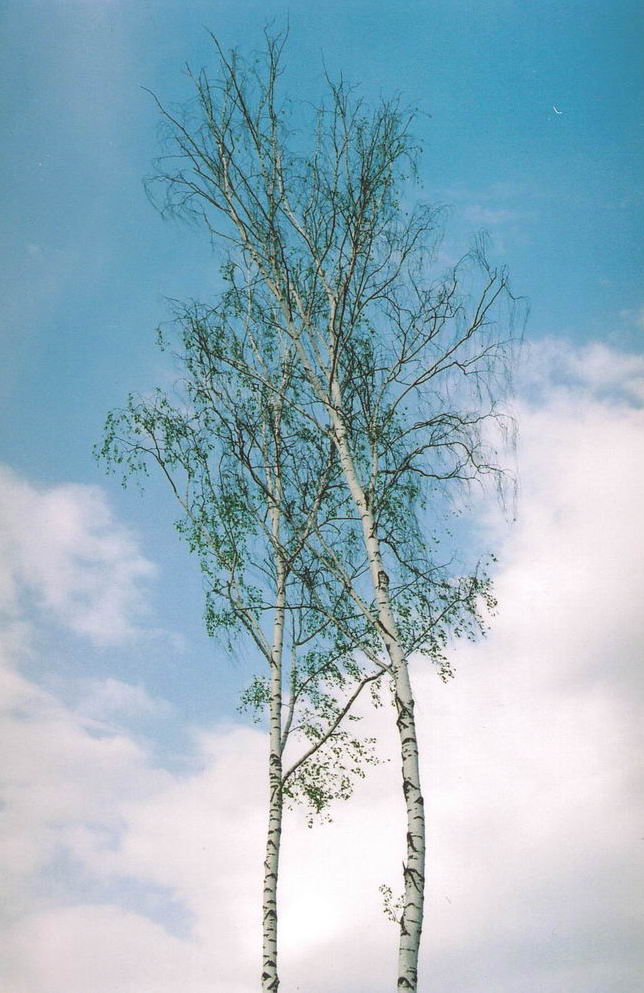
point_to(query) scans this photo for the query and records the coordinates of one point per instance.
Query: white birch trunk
(270, 978)
(411, 922)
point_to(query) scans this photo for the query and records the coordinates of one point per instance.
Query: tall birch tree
(401, 369)
(254, 484)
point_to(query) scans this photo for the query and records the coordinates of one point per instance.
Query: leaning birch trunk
(270, 978)
(411, 922)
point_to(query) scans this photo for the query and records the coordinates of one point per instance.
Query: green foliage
(392, 906)
(255, 698)
(331, 772)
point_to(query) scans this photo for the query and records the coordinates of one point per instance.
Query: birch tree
(401, 368)
(254, 484)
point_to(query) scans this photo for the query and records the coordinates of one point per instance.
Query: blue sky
(90, 263)
(102, 605)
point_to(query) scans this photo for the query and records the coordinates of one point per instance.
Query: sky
(133, 799)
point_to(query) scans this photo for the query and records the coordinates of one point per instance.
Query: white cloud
(530, 771)
(62, 545)
(95, 804)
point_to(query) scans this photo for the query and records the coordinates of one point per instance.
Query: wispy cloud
(633, 316)
(554, 367)
(493, 216)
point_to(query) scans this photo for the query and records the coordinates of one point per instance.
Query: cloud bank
(127, 877)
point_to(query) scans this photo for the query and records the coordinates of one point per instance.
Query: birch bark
(411, 921)
(270, 977)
